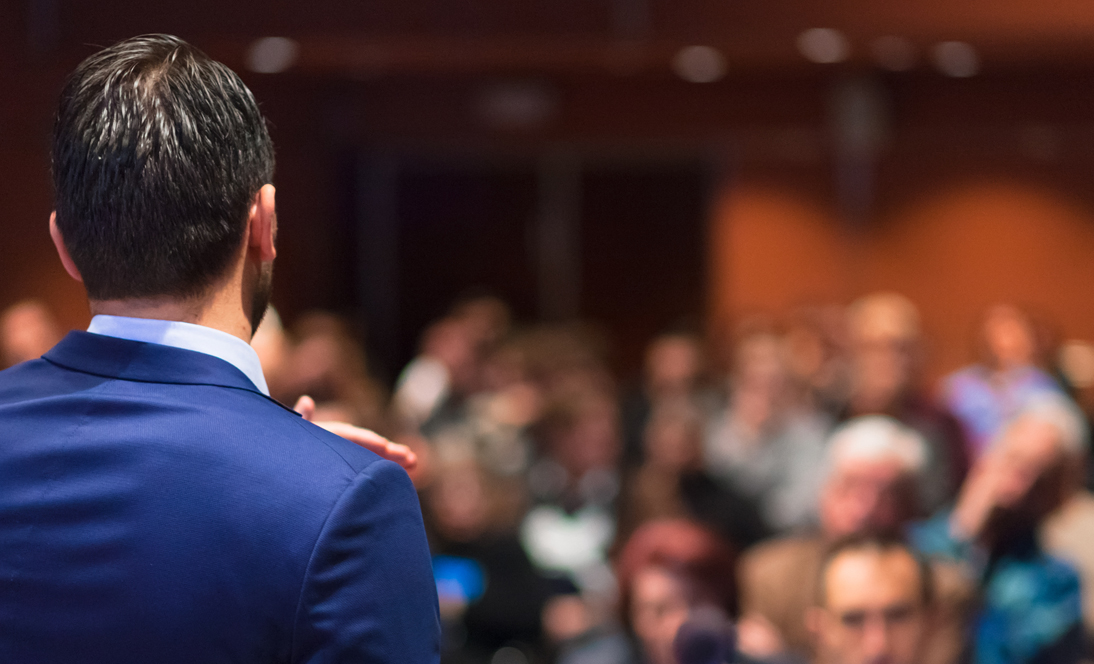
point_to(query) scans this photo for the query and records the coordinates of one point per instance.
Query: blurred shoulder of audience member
(446, 368)
(1032, 601)
(873, 603)
(27, 330)
(490, 594)
(328, 364)
(886, 362)
(871, 477)
(666, 570)
(672, 482)
(764, 445)
(986, 395)
(674, 370)
(574, 487)
(1068, 532)
(501, 414)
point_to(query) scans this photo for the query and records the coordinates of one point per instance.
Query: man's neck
(209, 311)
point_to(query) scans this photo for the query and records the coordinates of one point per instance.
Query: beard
(260, 299)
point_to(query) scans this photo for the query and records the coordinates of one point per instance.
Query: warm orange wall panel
(973, 244)
(953, 249)
(773, 247)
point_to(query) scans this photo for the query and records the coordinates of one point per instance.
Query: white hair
(1059, 411)
(874, 438)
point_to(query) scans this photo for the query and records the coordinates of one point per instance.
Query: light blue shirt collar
(186, 336)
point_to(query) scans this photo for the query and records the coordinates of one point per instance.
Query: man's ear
(62, 251)
(262, 223)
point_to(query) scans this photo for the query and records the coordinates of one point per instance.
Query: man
(156, 505)
(872, 472)
(1032, 606)
(873, 603)
(886, 366)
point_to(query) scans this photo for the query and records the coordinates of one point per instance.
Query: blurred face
(659, 605)
(759, 381)
(27, 331)
(451, 342)
(1009, 337)
(672, 443)
(883, 371)
(673, 363)
(863, 495)
(1025, 473)
(460, 504)
(592, 442)
(873, 609)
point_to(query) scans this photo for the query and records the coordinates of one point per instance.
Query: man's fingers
(305, 405)
(374, 442)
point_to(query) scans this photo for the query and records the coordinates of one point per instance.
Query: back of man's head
(158, 152)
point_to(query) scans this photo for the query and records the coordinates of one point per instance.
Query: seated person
(887, 359)
(763, 446)
(667, 569)
(873, 604)
(671, 482)
(491, 597)
(1031, 601)
(985, 396)
(871, 478)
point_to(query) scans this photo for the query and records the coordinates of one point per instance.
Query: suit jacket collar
(146, 362)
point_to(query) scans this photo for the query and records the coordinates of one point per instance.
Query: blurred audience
(491, 596)
(987, 395)
(817, 358)
(673, 483)
(440, 376)
(1032, 608)
(574, 487)
(667, 569)
(27, 330)
(571, 526)
(886, 361)
(874, 603)
(328, 364)
(764, 445)
(872, 478)
(674, 375)
(1069, 531)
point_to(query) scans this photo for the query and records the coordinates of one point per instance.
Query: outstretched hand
(370, 440)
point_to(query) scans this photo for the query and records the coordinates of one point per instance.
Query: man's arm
(369, 594)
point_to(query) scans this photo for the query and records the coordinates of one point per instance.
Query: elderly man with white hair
(873, 470)
(1031, 609)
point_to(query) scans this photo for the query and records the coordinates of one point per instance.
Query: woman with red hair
(666, 570)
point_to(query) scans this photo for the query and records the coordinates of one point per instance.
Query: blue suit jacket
(155, 507)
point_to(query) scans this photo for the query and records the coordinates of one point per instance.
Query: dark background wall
(546, 152)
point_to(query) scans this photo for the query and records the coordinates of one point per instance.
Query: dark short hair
(158, 152)
(880, 542)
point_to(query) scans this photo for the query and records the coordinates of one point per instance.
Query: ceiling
(618, 37)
